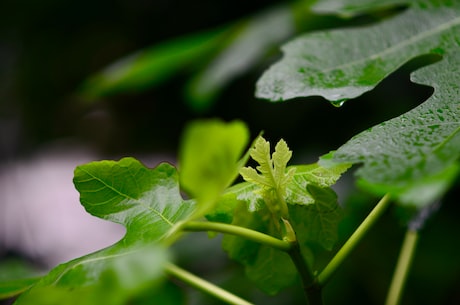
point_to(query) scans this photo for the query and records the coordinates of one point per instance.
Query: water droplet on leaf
(339, 103)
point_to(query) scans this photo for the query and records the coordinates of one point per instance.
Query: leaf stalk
(353, 241)
(402, 267)
(312, 291)
(204, 285)
(265, 239)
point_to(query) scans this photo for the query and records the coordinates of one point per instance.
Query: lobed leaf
(413, 156)
(273, 178)
(324, 174)
(281, 157)
(148, 203)
(343, 64)
(261, 154)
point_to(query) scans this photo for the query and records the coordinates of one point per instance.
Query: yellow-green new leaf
(210, 159)
(272, 177)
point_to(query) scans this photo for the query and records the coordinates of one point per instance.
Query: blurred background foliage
(124, 77)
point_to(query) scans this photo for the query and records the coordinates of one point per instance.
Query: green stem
(402, 268)
(204, 285)
(352, 242)
(249, 234)
(312, 292)
(291, 247)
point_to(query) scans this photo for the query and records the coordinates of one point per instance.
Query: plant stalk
(402, 268)
(312, 291)
(353, 241)
(204, 285)
(198, 226)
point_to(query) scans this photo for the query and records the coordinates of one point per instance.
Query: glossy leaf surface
(343, 64)
(414, 155)
(148, 203)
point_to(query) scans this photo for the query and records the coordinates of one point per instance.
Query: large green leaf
(148, 203)
(414, 152)
(343, 64)
(414, 155)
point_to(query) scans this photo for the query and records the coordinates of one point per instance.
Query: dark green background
(48, 48)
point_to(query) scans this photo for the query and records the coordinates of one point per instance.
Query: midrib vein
(129, 197)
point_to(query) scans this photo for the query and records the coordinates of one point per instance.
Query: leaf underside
(410, 153)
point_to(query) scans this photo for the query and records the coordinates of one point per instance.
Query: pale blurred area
(40, 214)
(41, 218)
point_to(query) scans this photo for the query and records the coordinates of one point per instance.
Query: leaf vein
(396, 47)
(107, 185)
